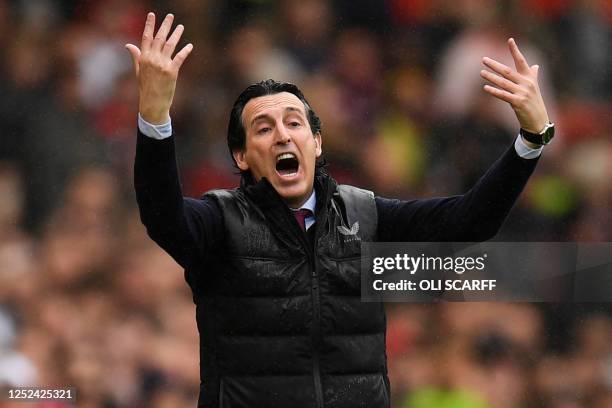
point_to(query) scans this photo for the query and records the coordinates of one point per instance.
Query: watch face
(548, 135)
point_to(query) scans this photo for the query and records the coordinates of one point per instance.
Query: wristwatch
(542, 138)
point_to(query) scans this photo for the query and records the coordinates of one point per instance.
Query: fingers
(162, 33)
(160, 44)
(519, 60)
(517, 87)
(502, 69)
(181, 56)
(500, 82)
(135, 53)
(147, 34)
(500, 94)
(170, 45)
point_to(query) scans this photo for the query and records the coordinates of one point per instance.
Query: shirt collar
(310, 203)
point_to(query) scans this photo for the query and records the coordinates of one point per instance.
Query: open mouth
(287, 164)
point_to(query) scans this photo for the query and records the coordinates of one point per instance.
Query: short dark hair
(236, 133)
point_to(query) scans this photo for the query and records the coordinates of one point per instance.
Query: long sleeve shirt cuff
(158, 132)
(525, 151)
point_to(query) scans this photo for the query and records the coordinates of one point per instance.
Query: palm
(156, 69)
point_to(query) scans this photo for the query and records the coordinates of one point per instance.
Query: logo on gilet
(350, 234)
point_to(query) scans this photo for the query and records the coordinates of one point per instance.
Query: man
(274, 264)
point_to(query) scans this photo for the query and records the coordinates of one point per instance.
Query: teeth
(285, 156)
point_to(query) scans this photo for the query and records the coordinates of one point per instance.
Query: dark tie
(300, 215)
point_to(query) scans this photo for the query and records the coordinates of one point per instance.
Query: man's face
(280, 145)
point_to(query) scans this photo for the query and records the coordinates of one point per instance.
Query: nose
(282, 136)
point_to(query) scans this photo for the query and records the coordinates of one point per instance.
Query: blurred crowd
(87, 300)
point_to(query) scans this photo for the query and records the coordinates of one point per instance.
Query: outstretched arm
(472, 217)
(478, 214)
(186, 228)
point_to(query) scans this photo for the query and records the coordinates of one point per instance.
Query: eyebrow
(266, 116)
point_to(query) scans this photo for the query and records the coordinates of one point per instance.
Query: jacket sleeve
(472, 217)
(186, 228)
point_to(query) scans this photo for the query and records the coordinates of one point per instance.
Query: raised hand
(519, 88)
(156, 70)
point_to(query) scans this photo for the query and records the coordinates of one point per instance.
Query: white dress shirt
(309, 205)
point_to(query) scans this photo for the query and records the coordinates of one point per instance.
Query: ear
(318, 141)
(240, 159)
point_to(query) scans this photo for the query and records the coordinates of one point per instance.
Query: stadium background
(87, 300)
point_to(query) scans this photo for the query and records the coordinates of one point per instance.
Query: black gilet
(280, 318)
